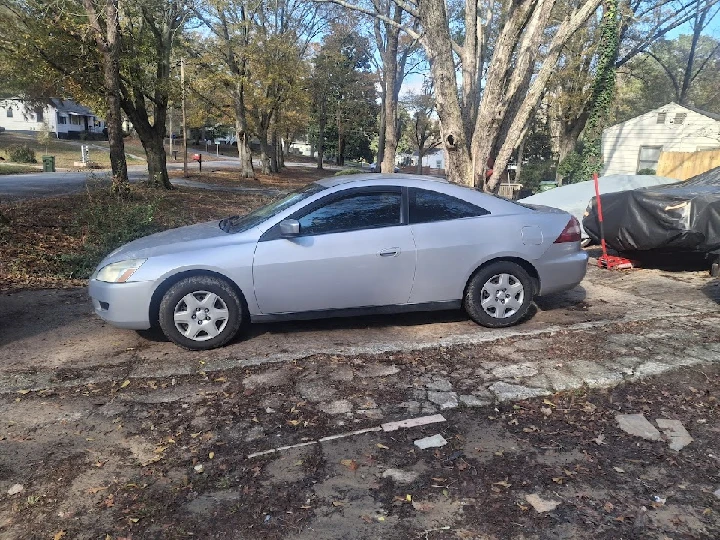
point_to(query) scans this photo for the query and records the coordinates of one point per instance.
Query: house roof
(70, 107)
(664, 108)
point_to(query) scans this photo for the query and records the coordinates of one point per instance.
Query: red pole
(600, 215)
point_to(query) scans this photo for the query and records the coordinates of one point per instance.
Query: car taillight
(571, 232)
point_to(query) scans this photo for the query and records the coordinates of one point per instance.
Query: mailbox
(197, 157)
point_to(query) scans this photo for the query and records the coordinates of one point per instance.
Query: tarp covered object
(574, 198)
(678, 217)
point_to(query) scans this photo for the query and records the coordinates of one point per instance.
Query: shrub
(646, 171)
(106, 223)
(21, 153)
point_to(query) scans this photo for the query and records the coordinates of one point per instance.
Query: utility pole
(171, 130)
(184, 117)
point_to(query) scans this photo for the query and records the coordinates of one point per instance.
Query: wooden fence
(684, 165)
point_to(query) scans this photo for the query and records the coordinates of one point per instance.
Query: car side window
(354, 212)
(428, 206)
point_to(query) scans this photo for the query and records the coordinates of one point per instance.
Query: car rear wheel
(201, 313)
(499, 295)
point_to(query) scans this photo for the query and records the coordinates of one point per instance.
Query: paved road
(58, 183)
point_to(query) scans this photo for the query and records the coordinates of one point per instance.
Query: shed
(636, 144)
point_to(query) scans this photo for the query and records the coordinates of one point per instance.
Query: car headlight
(119, 272)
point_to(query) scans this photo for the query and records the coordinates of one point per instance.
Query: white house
(433, 158)
(636, 144)
(64, 117)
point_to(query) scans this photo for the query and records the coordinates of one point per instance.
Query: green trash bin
(48, 163)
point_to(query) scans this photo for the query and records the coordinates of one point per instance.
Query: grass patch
(18, 169)
(58, 241)
(66, 152)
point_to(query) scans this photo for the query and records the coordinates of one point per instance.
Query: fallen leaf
(211, 455)
(382, 446)
(502, 483)
(547, 411)
(548, 402)
(134, 520)
(125, 383)
(23, 392)
(618, 469)
(59, 535)
(599, 439)
(95, 490)
(220, 379)
(350, 464)
(338, 503)
(608, 506)
(294, 422)
(541, 505)
(558, 480)
(408, 498)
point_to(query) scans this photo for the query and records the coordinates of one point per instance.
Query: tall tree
(422, 131)
(502, 80)
(107, 37)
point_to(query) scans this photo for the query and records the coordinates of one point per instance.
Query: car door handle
(390, 252)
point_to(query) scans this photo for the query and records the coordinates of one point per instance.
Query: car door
(449, 233)
(353, 250)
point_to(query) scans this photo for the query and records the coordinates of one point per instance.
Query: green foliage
(106, 223)
(646, 171)
(572, 169)
(536, 171)
(21, 153)
(603, 90)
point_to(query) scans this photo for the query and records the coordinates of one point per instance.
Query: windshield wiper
(226, 223)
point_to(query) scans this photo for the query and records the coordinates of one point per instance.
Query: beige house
(637, 143)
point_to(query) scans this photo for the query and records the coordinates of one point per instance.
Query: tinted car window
(236, 224)
(429, 206)
(360, 211)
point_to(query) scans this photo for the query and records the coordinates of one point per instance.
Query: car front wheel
(201, 313)
(499, 295)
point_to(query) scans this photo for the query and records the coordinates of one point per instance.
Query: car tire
(499, 295)
(201, 313)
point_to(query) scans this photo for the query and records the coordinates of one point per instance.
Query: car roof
(378, 179)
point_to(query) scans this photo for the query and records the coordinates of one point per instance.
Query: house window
(62, 119)
(680, 117)
(9, 113)
(648, 157)
(39, 115)
(661, 117)
(76, 120)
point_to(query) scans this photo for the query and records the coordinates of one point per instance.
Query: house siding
(621, 143)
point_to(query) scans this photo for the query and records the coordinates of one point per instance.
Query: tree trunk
(156, 160)
(341, 151)
(110, 47)
(244, 153)
(265, 153)
(436, 42)
(421, 154)
(698, 26)
(390, 104)
(274, 161)
(381, 129)
(321, 136)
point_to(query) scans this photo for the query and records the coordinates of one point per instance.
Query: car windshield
(237, 224)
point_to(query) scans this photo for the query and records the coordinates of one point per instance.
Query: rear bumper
(125, 305)
(562, 267)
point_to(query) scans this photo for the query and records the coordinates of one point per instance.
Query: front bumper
(125, 305)
(562, 267)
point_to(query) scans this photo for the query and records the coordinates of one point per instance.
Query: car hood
(200, 235)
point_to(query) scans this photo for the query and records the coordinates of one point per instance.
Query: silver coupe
(346, 245)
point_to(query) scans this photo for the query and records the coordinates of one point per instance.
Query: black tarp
(675, 217)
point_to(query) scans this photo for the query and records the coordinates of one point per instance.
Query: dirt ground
(107, 433)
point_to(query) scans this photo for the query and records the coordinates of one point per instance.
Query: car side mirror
(289, 228)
